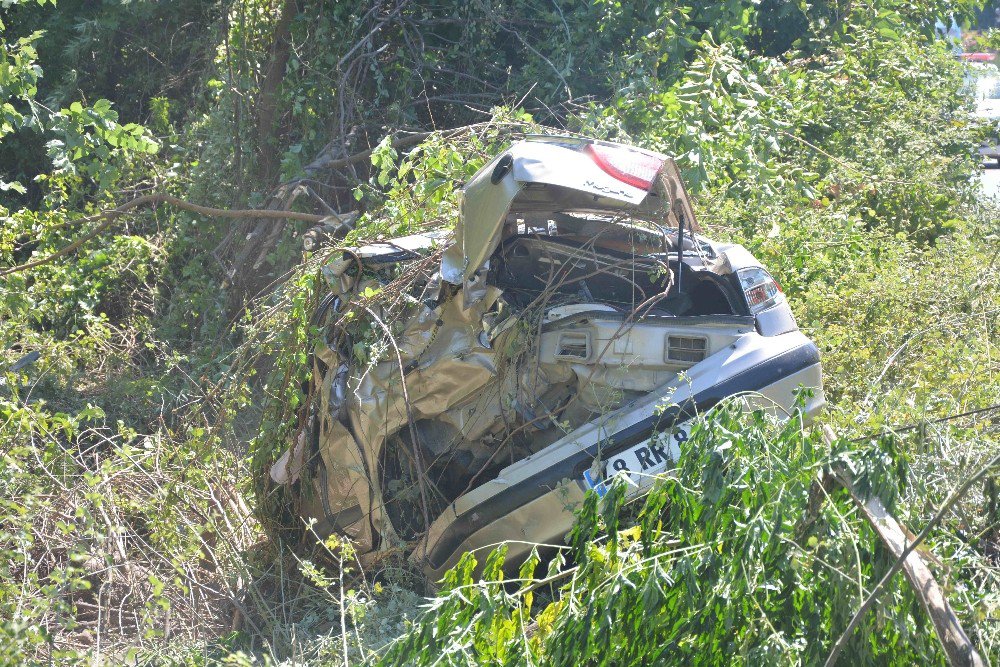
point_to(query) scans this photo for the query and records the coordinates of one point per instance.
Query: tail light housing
(629, 166)
(760, 289)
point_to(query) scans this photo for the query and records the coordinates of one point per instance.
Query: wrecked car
(472, 387)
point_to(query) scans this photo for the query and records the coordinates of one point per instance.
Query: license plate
(640, 463)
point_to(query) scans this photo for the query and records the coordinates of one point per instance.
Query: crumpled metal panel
(484, 207)
(336, 276)
(379, 409)
(446, 365)
(452, 365)
(346, 486)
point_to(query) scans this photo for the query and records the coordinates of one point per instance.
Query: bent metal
(562, 335)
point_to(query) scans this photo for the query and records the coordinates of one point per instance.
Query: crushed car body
(472, 387)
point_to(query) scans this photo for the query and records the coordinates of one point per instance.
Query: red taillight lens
(757, 295)
(626, 165)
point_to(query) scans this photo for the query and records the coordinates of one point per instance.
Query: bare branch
(957, 646)
(111, 215)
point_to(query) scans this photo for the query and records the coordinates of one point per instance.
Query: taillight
(626, 165)
(759, 288)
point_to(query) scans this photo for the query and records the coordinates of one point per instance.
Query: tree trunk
(267, 100)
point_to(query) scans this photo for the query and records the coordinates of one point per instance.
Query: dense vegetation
(151, 372)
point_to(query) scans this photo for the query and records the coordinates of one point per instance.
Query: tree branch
(956, 644)
(274, 74)
(111, 215)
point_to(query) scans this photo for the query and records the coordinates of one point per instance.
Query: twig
(378, 26)
(940, 420)
(842, 163)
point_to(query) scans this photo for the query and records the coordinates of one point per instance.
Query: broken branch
(956, 644)
(111, 215)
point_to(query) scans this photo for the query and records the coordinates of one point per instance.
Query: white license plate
(641, 462)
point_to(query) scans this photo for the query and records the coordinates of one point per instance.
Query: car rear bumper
(532, 501)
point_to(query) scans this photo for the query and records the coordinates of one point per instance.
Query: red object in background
(977, 57)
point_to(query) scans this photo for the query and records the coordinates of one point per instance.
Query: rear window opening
(554, 270)
(708, 297)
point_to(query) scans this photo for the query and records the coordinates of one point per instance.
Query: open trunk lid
(550, 174)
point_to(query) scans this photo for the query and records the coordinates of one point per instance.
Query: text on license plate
(641, 462)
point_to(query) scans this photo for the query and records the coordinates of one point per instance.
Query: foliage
(989, 40)
(92, 513)
(130, 53)
(831, 138)
(721, 562)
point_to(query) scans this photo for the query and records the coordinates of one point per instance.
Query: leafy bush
(831, 138)
(740, 555)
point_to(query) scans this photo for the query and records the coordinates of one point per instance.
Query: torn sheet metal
(344, 485)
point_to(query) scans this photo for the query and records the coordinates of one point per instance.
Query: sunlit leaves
(91, 145)
(725, 564)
